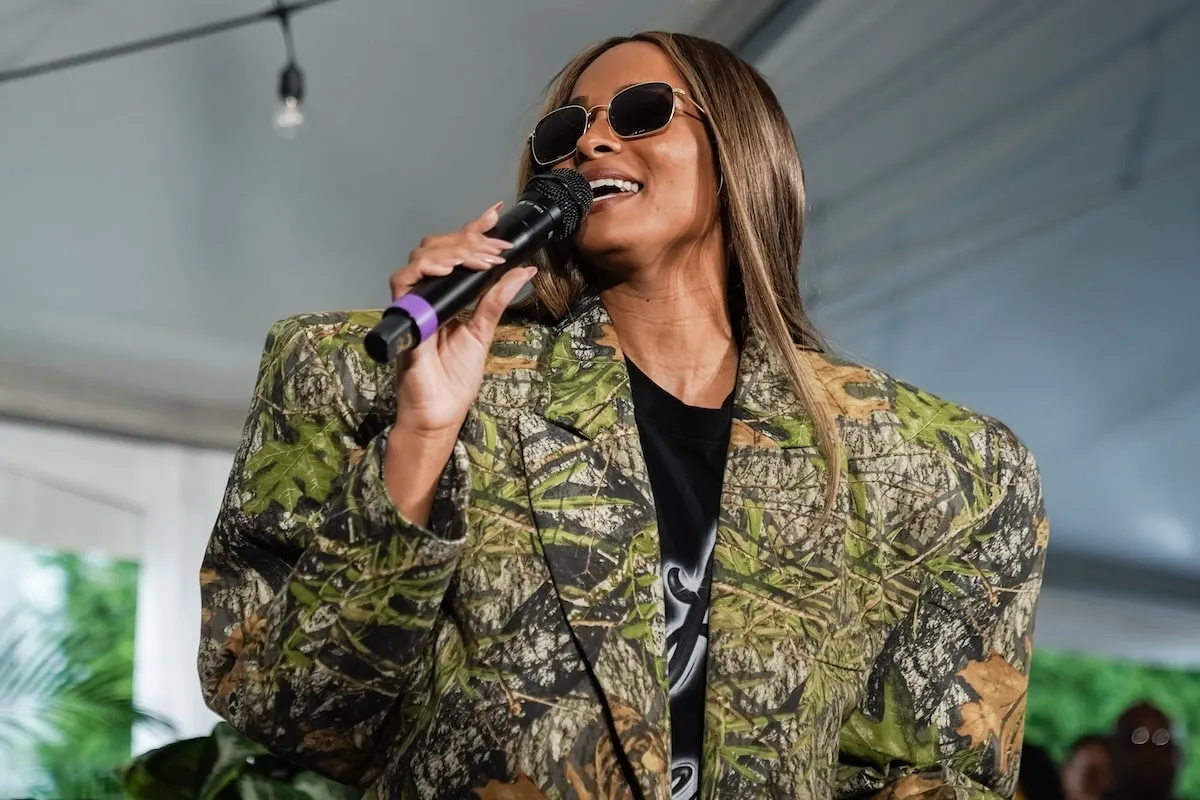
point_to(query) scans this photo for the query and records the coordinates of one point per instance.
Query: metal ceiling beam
(1078, 571)
(751, 27)
(43, 397)
(772, 27)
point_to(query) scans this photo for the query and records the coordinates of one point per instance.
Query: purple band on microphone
(421, 312)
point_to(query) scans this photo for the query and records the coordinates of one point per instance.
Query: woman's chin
(606, 246)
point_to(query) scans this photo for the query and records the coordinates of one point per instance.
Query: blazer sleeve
(944, 711)
(319, 597)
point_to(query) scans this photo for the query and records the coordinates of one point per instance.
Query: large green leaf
(175, 772)
(284, 472)
(585, 393)
(224, 766)
(894, 737)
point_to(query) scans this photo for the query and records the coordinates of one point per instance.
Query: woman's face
(676, 207)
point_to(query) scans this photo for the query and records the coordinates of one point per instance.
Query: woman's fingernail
(497, 260)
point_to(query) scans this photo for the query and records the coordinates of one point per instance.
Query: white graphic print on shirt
(687, 646)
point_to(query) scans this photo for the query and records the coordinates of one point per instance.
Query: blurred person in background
(1146, 759)
(1087, 770)
(1038, 779)
(642, 535)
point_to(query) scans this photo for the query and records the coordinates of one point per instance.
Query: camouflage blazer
(516, 647)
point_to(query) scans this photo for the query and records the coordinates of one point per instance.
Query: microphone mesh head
(569, 191)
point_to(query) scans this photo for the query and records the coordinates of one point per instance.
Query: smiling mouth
(606, 188)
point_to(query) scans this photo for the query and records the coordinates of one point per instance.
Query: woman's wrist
(413, 463)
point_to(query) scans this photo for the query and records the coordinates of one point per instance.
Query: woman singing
(640, 535)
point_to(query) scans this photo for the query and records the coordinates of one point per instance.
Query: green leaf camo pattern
(516, 647)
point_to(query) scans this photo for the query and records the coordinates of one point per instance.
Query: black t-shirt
(685, 450)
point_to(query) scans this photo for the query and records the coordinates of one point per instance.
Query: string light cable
(291, 78)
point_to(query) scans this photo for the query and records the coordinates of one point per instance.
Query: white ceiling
(1006, 206)
(153, 225)
(1006, 211)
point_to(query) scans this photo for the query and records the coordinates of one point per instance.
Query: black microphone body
(551, 207)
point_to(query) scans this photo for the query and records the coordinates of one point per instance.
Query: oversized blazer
(515, 648)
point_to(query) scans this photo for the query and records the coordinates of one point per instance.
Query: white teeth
(624, 186)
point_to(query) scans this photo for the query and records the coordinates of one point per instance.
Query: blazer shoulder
(309, 351)
(881, 413)
(342, 332)
(313, 360)
(327, 331)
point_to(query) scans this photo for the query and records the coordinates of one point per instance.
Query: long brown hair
(762, 211)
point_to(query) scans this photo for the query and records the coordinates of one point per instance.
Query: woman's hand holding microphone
(437, 381)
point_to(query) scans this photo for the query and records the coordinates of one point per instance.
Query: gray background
(1005, 211)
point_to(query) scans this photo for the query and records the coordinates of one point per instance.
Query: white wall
(151, 502)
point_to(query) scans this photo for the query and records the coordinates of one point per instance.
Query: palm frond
(41, 690)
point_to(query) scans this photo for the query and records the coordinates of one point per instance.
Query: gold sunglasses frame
(590, 118)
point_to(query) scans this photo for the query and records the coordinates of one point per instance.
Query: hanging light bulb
(289, 118)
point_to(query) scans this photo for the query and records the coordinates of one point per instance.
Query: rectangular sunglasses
(638, 110)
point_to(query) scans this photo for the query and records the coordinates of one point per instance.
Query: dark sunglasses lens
(642, 109)
(555, 135)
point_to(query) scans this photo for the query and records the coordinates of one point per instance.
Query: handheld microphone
(551, 207)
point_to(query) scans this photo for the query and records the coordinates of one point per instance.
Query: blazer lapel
(775, 592)
(591, 502)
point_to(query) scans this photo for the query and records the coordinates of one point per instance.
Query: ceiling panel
(1006, 211)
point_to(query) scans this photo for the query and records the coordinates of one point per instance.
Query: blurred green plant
(66, 701)
(1072, 694)
(224, 766)
(73, 718)
(66, 680)
(96, 638)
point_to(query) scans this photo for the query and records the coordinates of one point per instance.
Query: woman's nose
(599, 137)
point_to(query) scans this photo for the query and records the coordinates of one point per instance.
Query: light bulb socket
(291, 83)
